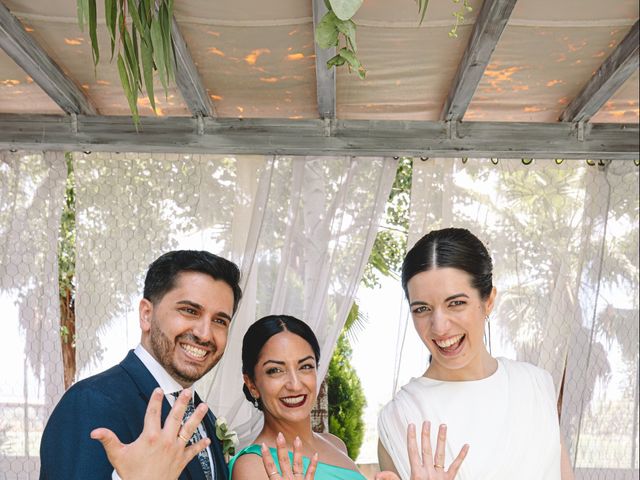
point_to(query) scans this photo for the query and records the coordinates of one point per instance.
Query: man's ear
(145, 311)
(251, 386)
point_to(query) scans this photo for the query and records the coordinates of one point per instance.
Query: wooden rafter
(36, 63)
(188, 79)
(613, 72)
(487, 30)
(317, 137)
(325, 78)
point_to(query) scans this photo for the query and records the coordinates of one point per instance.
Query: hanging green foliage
(140, 32)
(337, 28)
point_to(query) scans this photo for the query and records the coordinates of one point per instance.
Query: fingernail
(280, 437)
(297, 442)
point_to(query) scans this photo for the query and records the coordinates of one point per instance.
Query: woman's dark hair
(260, 332)
(450, 248)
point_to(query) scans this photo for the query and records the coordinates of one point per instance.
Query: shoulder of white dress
(403, 395)
(526, 369)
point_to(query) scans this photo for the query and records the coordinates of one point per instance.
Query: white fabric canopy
(31, 199)
(564, 240)
(301, 229)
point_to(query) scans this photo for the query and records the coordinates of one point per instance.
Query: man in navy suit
(189, 300)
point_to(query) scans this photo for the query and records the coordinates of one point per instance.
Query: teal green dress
(324, 471)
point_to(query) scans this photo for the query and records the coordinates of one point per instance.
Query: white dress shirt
(168, 385)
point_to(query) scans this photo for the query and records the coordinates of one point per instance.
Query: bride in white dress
(504, 410)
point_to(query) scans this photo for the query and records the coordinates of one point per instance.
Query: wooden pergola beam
(325, 78)
(321, 137)
(613, 72)
(188, 79)
(488, 28)
(36, 63)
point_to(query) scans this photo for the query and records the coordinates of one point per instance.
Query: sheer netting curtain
(31, 199)
(564, 239)
(300, 228)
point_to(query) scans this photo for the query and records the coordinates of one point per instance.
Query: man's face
(186, 331)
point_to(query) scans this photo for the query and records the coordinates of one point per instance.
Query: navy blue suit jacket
(115, 399)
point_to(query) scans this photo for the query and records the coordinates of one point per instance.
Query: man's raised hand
(159, 453)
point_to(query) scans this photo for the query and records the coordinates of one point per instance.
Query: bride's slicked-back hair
(451, 248)
(260, 332)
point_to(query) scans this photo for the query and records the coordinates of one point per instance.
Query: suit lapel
(144, 380)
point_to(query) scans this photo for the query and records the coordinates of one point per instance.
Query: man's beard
(163, 351)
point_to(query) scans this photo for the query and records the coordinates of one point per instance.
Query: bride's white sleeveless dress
(509, 420)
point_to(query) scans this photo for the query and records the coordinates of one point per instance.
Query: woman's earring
(255, 402)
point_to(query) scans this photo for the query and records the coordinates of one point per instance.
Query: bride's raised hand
(285, 463)
(425, 465)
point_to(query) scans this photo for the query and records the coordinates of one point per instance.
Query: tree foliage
(346, 399)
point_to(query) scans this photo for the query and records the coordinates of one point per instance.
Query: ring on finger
(182, 438)
(272, 474)
(435, 465)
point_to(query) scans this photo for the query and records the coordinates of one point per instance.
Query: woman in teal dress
(280, 355)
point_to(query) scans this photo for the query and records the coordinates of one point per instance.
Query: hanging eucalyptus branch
(141, 30)
(337, 24)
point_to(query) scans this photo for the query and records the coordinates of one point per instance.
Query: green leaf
(135, 15)
(147, 69)
(158, 54)
(92, 31)
(167, 44)
(348, 29)
(126, 86)
(336, 61)
(350, 57)
(132, 60)
(83, 12)
(327, 31)
(111, 16)
(422, 9)
(136, 55)
(345, 9)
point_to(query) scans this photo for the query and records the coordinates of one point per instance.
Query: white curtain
(31, 199)
(300, 228)
(564, 239)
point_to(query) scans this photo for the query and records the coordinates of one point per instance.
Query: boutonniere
(228, 437)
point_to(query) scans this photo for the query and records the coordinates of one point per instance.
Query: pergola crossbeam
(488, 28)
(325, 78)
(188, 79)
(613, 72)
(316, 137)
(36, 63)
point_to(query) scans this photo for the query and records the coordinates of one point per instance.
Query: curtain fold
(564, 240)
(31, 201)
(300, 228)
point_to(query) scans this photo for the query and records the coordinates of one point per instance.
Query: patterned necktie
(203, 457)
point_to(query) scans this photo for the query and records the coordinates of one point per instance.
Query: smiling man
(189, 300)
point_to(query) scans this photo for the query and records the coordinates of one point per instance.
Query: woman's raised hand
(426, 465)
(288, 473)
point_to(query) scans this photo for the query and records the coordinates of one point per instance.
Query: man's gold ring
(273, 473)
(435, 465)
(185, 439)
